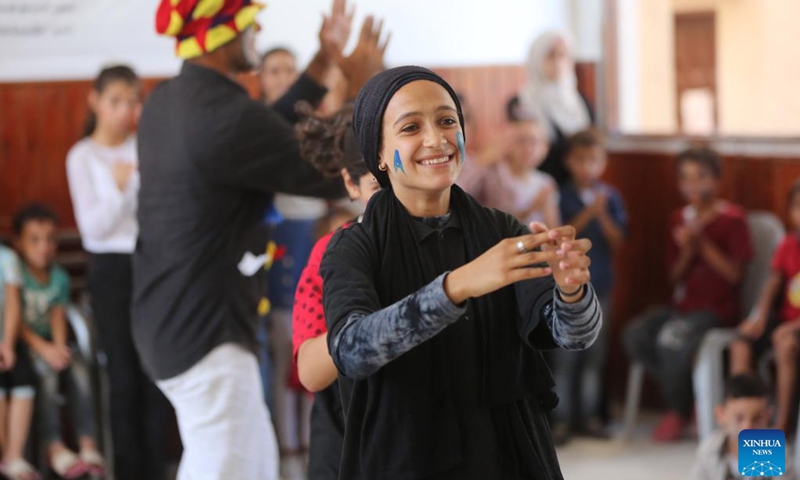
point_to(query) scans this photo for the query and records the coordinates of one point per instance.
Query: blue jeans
(80, 397)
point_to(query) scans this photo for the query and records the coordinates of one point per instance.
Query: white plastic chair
(708, 375)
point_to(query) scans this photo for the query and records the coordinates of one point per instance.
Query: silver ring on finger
(521, 247)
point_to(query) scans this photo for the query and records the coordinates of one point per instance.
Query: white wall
(586, 23)
(63, 39)
(427, 32)
(628, 66)
(757, 65)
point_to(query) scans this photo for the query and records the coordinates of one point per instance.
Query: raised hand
(335, 30)
(570, 264)
(367, 57)
(542, 198)
(122, 172)
(600, 204)
(511, 260)
(496, 148)
(686, 237)
(752, 328)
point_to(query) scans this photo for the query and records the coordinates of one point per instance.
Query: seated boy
(707, 252)
(45, 294)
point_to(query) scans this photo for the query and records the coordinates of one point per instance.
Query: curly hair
(329, 142)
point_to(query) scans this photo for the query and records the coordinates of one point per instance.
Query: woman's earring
(382, 167)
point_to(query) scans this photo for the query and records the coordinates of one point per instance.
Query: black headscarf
(371, 105)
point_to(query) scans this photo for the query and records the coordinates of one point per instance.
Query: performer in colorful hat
(210, 159)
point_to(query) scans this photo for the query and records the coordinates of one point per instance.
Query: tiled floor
(584, 459)
(637, 460)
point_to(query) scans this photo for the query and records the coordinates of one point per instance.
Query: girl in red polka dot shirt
(330, 145)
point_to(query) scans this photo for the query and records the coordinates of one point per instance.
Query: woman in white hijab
(551, 96)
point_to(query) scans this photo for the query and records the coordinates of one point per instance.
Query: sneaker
(670, 429)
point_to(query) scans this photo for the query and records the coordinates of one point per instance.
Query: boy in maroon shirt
(708, 249)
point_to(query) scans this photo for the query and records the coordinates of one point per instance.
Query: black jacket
(210, 159)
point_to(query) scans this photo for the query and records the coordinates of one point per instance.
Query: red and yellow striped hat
(202, 26)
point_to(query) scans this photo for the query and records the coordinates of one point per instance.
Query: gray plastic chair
(708, 376)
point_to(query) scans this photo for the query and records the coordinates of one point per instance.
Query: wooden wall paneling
(640, 272)
(781, 176)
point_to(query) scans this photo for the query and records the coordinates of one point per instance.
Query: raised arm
(549, 317)
(266, 158)
(363, 337)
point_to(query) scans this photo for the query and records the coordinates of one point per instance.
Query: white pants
(223, 420)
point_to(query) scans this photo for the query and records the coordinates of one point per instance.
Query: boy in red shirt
(708, 249)
(785, 278)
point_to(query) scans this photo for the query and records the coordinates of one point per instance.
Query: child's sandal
(18, 469)
(67, 465)
(94, 462)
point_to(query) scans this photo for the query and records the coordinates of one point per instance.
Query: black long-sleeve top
(465, 438)
(210, 160)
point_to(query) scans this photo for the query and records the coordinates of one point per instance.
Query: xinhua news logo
(762, 453)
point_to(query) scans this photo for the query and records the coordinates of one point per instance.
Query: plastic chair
(708, 376)
(766, 232)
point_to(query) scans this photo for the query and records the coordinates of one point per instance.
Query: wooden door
(695, 67)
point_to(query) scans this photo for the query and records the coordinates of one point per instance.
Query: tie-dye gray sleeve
(368, 341)
(575, 326)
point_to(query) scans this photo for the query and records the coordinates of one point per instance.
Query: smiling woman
(420, 128)
(437, 307)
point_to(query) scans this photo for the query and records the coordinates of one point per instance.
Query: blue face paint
(460, 142)
(398, 163)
